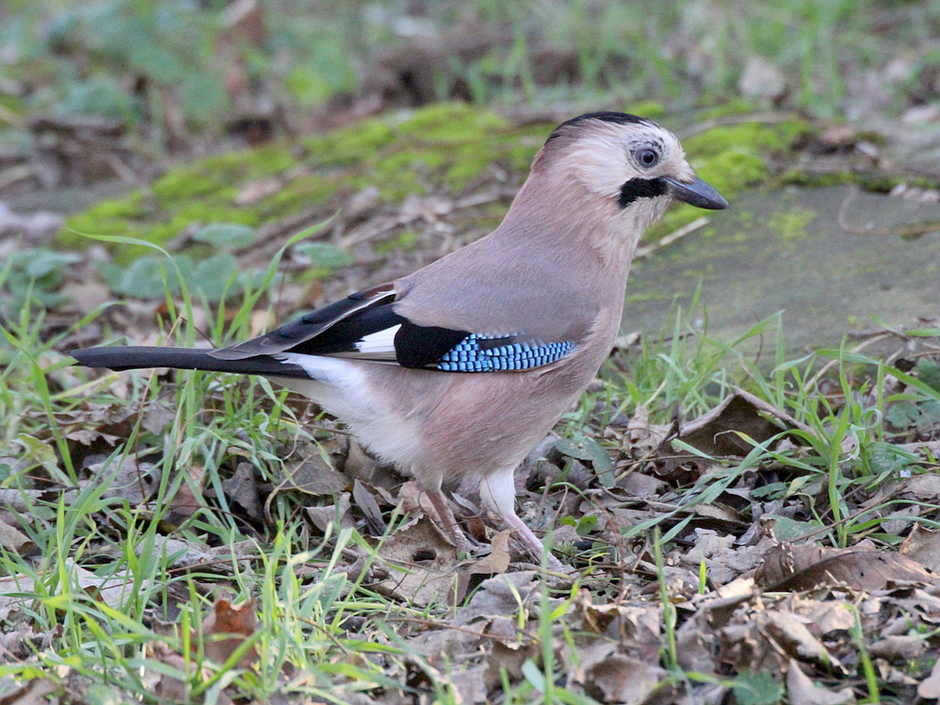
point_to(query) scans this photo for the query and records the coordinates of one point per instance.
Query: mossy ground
(444, 148)
(448, 147)
(731, 158)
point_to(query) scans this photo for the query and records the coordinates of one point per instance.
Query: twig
(678, 234)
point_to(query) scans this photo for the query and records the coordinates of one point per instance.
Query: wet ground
(831, 259)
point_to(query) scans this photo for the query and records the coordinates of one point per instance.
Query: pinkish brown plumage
(458, 370)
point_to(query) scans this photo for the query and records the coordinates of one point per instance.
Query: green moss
(204, 213)
(447, 144)
(791, 222)
(209, 175)
(441, 147)
(733, 108)
(635, 296)
(350, 145)
(11, 104)
(117, 216)
(185, 182)
(732, 171)
(877, 182)
(451, 122)
(798, 177)
(303, 192)
(649, 109)
(755, 136)
(732, 158)
(406, 240)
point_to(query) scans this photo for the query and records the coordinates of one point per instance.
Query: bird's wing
(366, 326)
(312, 325)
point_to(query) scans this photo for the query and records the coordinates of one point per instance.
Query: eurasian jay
(459, 369)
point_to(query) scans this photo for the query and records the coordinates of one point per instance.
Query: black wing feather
(415, 346)
(121, 358)
(337, 328)
(424, 346)
(308, 326)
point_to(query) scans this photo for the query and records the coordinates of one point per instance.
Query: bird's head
(628, 161)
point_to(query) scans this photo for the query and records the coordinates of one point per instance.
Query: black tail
(136, 357)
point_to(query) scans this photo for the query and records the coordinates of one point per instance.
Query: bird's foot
(448, 524)
(534, 545)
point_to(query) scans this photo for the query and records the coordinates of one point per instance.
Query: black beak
(698, 194)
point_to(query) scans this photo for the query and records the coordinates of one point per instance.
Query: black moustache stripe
(640, 188)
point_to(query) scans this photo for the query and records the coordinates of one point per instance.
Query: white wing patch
(382, 341)
(378, 346)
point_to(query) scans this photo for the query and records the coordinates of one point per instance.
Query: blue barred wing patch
(472, 354)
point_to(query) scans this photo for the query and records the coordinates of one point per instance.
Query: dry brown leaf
(242, 489)
(359, 465)
(112, 422)
(736, 591)
(183, 554)
(314, 476)
(225, 629)
(922, 603)
(795, 638)
(188, 498)
(696, 646)
(802, 691)
(638, 626)
(642, 437)
(170, 689)
(719, 513)
(898, 648)
(470, 684)
(826, 617)
(789, 567)
(497, 561)
(222, 633)
(925, 488)
(111, 590)
(923, 546)
(423, 565)
(19, 499)
(415, 501)
(507, 654)
(716, 432)
(133, 479)
(370, 509)
(254, 191)
(337, 511)
(87, 294)
(33, 692)
(641, 485)
(503, 595)
(621, 679)
(929, 688)
(12, 539)
(707, 544)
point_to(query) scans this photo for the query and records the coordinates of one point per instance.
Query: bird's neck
(565, 217)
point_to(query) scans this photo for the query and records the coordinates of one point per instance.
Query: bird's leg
(498, 492)
(448, 522)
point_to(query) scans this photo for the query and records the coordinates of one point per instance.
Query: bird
(458, 370)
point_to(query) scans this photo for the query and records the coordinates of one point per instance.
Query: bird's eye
(647, 157)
